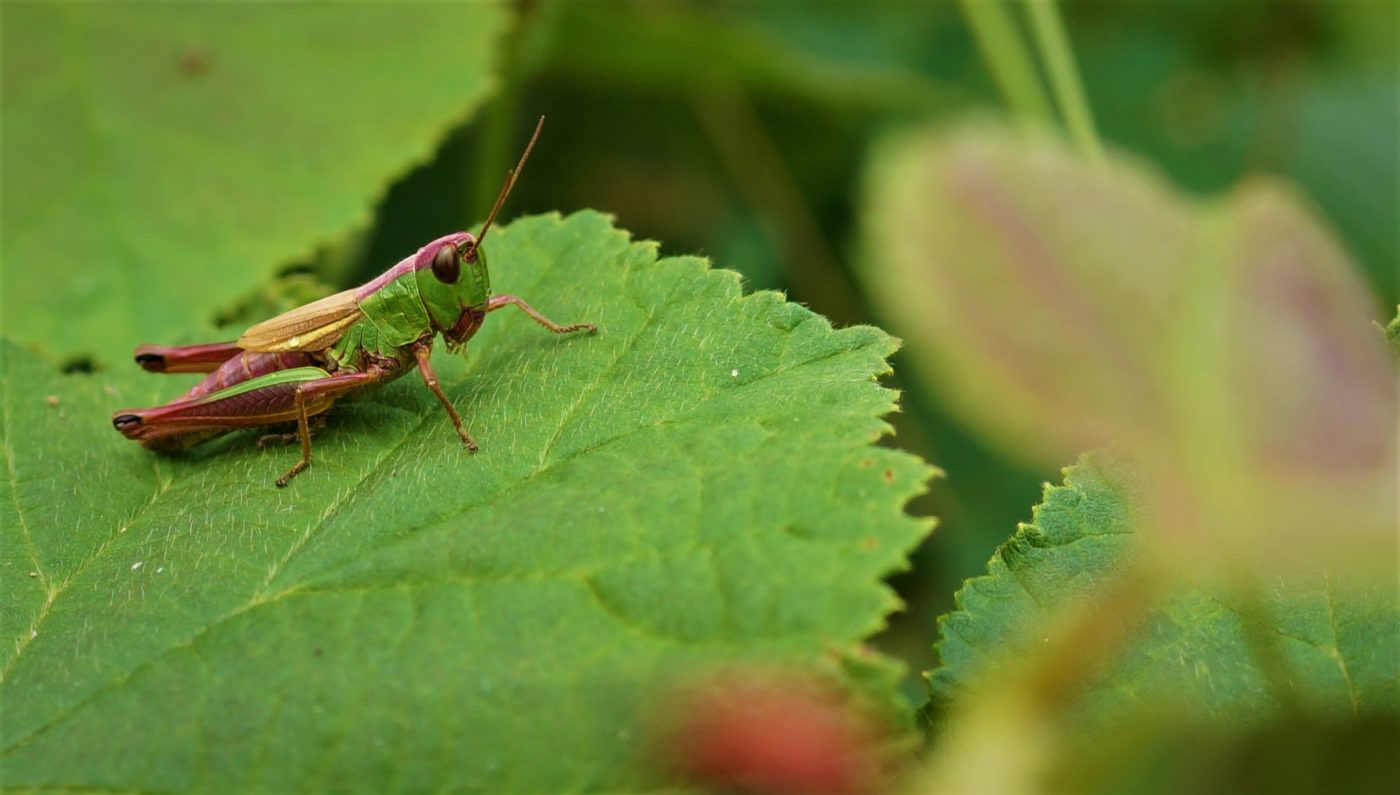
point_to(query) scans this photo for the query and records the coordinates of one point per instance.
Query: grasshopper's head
(457, 262)
(454, 284)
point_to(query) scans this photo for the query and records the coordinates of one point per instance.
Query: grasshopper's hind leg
(185, 358)
(294, 394)
(318, 421)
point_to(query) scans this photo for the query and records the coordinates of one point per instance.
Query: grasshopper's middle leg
(321, 392)
(422, 350)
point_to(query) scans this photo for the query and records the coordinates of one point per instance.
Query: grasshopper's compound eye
(445, 265)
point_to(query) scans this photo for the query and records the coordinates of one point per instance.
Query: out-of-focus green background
(741, 132)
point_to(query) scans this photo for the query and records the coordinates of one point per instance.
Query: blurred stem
(1005, 734)
(1048, 29)
(492, 156)
(1007, 59)
(756, 167)
(1263, 638)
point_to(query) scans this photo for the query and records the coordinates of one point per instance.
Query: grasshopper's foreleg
(498, 301)
(422, 350)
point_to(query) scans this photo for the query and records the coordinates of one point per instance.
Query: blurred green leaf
(1326, 644)
(693, 486)
(1303, 754)
(174, 155)
(671, 45)
(1214, 92)
(1058, 306)
(1392, 335)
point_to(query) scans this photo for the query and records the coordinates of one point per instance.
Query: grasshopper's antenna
(510, 182)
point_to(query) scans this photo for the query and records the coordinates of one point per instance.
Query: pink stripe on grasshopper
(421, 259)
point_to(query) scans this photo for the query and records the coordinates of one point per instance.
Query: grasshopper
(295, 366)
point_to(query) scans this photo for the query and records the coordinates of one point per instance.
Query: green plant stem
(494, 144)
(1007, 59)
(755, 163)
(1049, 32)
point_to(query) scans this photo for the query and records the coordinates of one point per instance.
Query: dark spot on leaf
(889, 476)
(317, 652)
(79, 364)
(194, 61)
(298, 269)
(869, 542)
(867, 462)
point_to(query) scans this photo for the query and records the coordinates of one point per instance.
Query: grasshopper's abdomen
(245, 367)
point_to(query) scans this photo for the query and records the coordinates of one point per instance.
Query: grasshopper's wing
(313, 327)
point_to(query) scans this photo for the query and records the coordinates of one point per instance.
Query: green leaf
(1330, 643)
(173, 156)
(1298, 753)
(693, 486)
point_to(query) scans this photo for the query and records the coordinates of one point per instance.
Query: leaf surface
(160, 160)
(693, 486)
(1197, 656)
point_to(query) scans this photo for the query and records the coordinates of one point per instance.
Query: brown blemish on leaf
(194, 61)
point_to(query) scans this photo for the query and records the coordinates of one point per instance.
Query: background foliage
(172, 173)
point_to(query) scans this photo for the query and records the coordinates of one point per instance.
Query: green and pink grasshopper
(296, 365)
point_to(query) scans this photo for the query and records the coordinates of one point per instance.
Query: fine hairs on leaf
(693, 487)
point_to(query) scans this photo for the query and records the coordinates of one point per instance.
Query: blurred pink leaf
(1060, 306)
